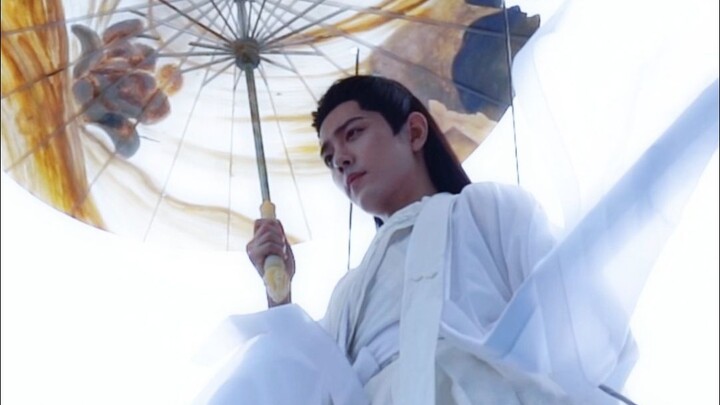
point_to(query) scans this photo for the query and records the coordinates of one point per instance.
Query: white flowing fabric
(568, 321)
(284, 358)
(580, 298)
(582, 141)
(598, 84)
(464, 258)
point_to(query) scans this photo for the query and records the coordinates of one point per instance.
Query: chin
(364, 206)
(368, 203)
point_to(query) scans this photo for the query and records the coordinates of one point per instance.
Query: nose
(342, 159)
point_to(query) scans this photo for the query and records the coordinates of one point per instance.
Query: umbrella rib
(218, 73)
(30, 83)
(346, 71)
(508, 56)
(266, 29)
(78, 204)
(269, 21)
(290, 44)
(302, 14)
(181, 141)
(208, 64)
(227, 6)
(180, 54)
(205, 13)
(423, 20)
(285, 149)
(274, 63)
(257, 20)
(209, 46)
(58, 130)
(197, 22)
(180, 31)
(60, 69)
(281, 51)
(112, 157)
(302, 79)
(166, 21)
(227, 24)
(273, 43)
(89, 16)
(201, 36)
(303, 28)
(248, 25)
(393, 56)
(150, 184)
(236, 77)
(183, 30)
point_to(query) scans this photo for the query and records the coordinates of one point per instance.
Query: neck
(424, 188)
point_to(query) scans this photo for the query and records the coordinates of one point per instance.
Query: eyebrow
(340, 130)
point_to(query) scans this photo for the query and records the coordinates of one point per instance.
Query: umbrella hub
(247, 53)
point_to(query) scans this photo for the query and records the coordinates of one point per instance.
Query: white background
(88, 316)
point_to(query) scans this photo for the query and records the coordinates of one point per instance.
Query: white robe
(493, 237)
(496, 236)
(560, 328)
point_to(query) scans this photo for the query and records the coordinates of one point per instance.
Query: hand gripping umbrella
(247, 58)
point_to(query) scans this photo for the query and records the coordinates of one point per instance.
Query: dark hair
(395, 103)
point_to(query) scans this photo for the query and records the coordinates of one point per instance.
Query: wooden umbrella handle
(276, 279)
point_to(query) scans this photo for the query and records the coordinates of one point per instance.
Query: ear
(418, 129)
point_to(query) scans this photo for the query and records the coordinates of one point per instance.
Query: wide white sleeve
(500, 310)
(569, 321)
(525, 234)
(499, 233)
(278, 356)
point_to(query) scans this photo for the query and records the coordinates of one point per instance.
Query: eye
(353, 132)
(327, 159)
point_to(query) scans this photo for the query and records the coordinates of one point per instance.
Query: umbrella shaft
(257, 134)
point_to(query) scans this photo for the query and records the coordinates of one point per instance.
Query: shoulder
(497, 208)
(490, 189)
(497, 197)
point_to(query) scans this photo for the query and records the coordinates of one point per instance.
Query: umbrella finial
(247, 53)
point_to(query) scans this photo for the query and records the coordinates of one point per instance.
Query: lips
(351, 178)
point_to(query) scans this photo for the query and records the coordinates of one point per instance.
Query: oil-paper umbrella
(157, 119)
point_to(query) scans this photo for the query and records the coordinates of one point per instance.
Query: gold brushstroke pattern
(42, 151)
(434, 48)
(59, 147)
(364, 22)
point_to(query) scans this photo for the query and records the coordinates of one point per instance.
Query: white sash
(422, 304)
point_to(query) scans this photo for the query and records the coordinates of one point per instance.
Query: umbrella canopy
(150, 107)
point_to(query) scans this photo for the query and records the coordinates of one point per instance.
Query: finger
(269, 236)
(259, 249)
(268, 225)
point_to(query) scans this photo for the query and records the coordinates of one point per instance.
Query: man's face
(374, 167)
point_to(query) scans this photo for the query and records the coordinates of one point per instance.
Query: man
(415, 318)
